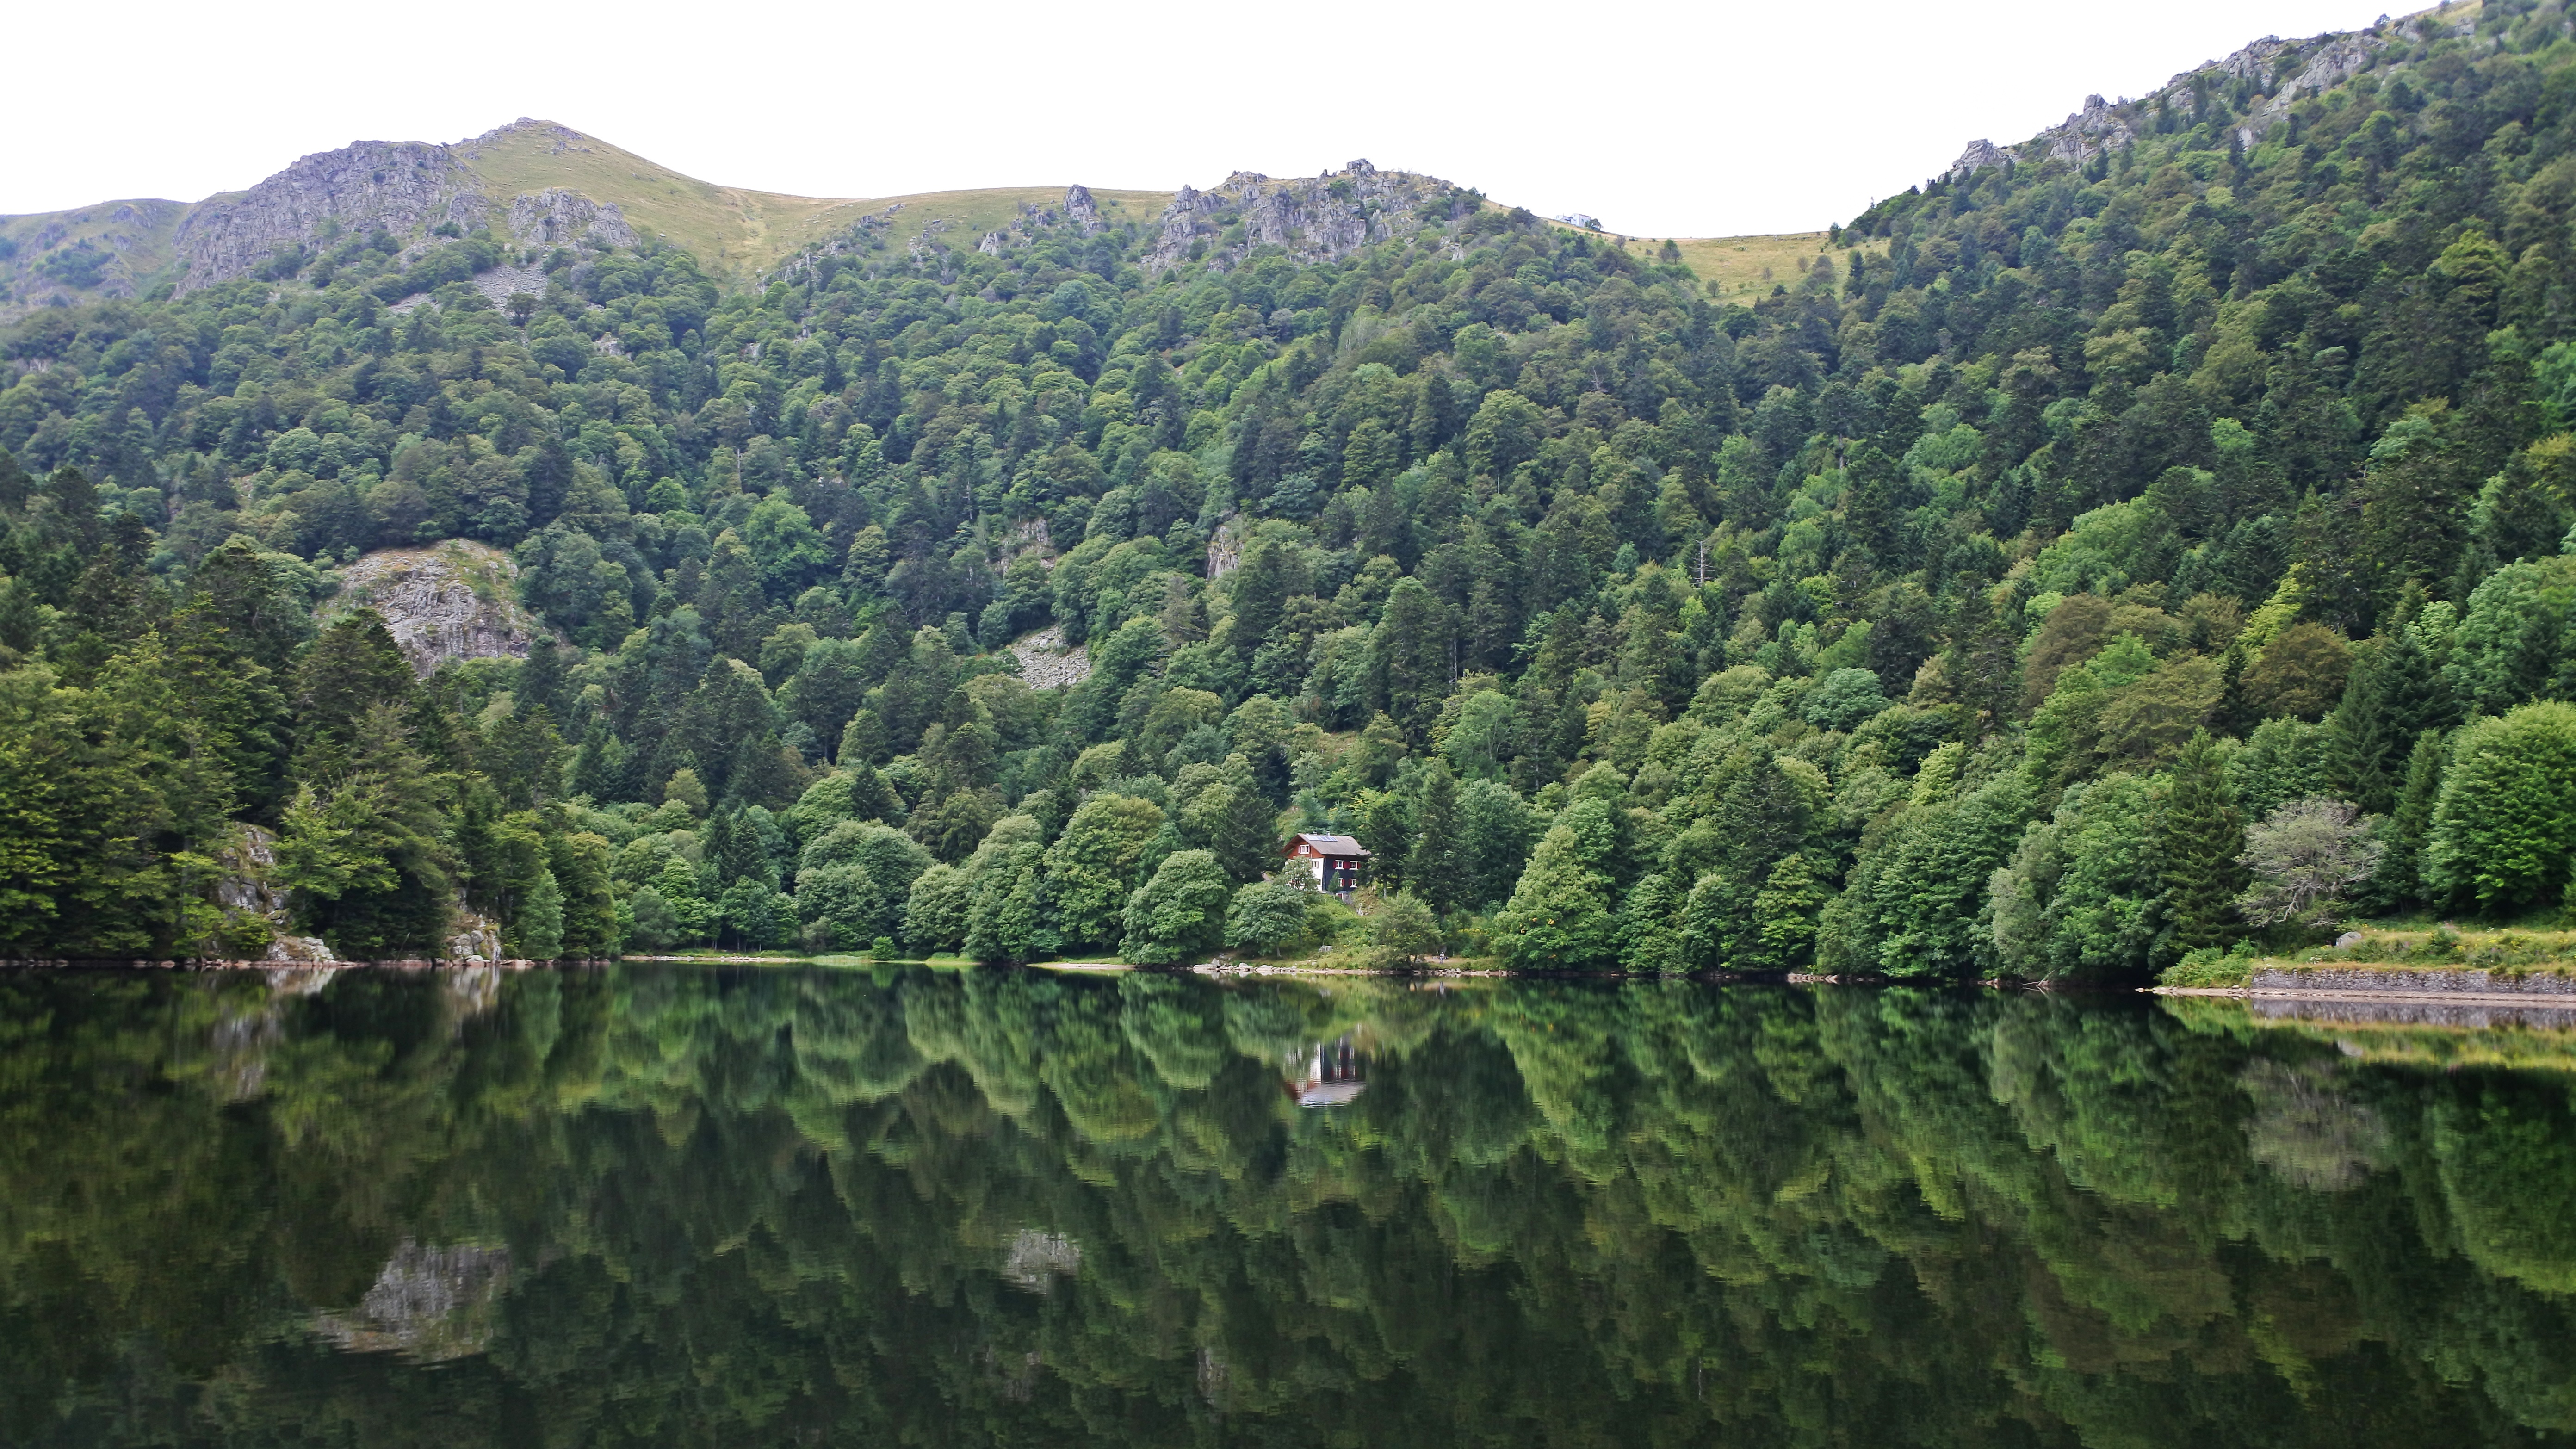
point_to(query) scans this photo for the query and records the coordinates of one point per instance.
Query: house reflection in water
(1335, 1074)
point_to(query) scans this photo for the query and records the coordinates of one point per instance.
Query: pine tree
(1245, 837)
(2398, 882)
(1411, 649)
(355, 664)
(2198, 835)
(745, 858)
(1437, 866)
(2391, 698)
(715, 842)
(541, 680)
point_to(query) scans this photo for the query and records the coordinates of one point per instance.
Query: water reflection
(1332, 1074)
(662, 1205)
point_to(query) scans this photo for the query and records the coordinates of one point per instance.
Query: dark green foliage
(823, 1171)
(2198, 835)
(2257, 426)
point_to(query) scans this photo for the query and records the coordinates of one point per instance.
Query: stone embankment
(2472, 997)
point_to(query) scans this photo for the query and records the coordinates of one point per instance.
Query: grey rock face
(2080, 137)
(1979, 155)
(403, 188)
(1318, 220)
(1047, 662)
(456, 601)
(2281, 72)
(399, 186)
(557, 217)
(1080, 209)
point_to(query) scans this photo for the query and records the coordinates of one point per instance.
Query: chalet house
(1332, 862)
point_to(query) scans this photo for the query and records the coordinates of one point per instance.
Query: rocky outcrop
(2281, 72)
(1080, 209)
(458, 600)
(1319, 220)
(472, 936)
(400, 187)
(2097, 128)
(1980, 154)
(255, 905)
(403, 188)
(557, 217)
(1036, 1259)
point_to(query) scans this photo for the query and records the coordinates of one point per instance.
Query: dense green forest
(941, 1207)
(2077, 565)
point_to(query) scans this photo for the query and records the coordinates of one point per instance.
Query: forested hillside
(2063, 532)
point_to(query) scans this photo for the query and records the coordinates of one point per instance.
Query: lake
(684, 1205)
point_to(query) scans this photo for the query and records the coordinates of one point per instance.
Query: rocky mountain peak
(1321, 219)
(403, 188)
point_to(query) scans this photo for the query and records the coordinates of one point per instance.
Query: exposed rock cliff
(402, 188)
(557, 217)
(2279, 72)
(457, 600)
(1319, 220)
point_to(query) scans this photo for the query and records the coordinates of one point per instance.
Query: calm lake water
(673, 1205)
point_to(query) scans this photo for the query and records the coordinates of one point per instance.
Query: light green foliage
(1402, 931)
(846, 901)
(1496, 831)
(2504, 830)
(1843, 699)
(1563, 913)
(1479, 743)
(2097, 552)
(1097, 862)
(934, 915)
(1267, 919)
(1180, 913)
(1909, 907)
(2283, 760)
(2512, 643)
(2303, 857)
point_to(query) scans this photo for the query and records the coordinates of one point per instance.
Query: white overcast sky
(1662, 118)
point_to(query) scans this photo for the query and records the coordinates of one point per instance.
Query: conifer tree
(1437, 865)
(2198, 835)
(2390, 699)
(2398, 882)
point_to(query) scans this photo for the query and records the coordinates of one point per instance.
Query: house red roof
(1324, 845)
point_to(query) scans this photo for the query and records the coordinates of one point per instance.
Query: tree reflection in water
(662, 1205)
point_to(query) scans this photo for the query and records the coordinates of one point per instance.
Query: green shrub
(2210, 967)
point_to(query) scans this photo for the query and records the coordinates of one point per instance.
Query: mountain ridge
(536, 182)
(544, 182)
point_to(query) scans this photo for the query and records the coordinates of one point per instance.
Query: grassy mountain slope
(737, 231)
(114, 248)
(124, 248)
